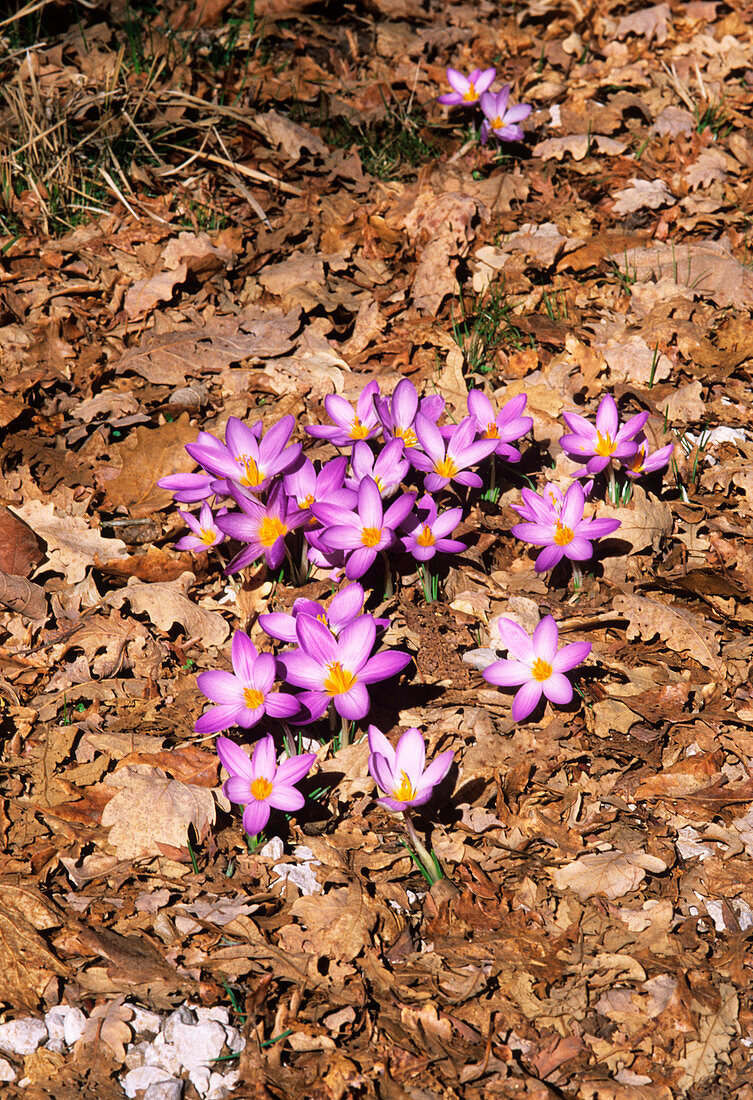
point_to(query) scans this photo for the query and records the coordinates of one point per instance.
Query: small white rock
(142, 1020)
(221, 1086)
(199, 1077)
(147, 1078)
(7, 1072)
(22, 1036)
(165, 1090)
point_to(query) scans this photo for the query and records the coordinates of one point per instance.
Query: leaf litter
(221, 211)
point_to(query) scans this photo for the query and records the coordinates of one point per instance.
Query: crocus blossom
(397, 413)
(505, 426)
(446, 461)
(562, 531)
(247, 457)
(244, 695)
(259, 783)
(428, 530)
(349, 424)
(307, 487)
(364, 532)
(205, 532)
(535, 665)
(642, 462)
(387, 469)
(338, 670)
(345, 606)
(262, 526)
(501, 119)
(401, 772)
(599, 444)
(466, 89)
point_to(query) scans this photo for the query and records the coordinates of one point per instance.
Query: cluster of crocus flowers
(344, 514)
(606, 445)
(501, 120)
(558, 525)
(261, 785)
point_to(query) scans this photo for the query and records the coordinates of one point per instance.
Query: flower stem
(427, 582)
(429, 863)
(344, 733)
(577, 576)
(389, 587)
(612, 485)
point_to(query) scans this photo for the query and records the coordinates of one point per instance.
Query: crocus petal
(264, 759)
(221, 687)
(437, 770)
(410, 756)
(315, 702)
(572, 506)
(360, 561)
(381, 772)
(526, 700)
(279, 705)
(218, 718)
(353, 704)
(315, 639)
(233, 759)
(485, 80)
(383, 665)
(515, 640)
(345, 606)
(378, 743)
(356, 643)
(243, 654)
(507, 673)
(546, 639)
(255, 817)
(558, 689)
(293, 769)
(278, 625)
(302, 670)
(457, 81)
(571, 655)
(548, 558)
(237, 789)
(287, 799)
(607, 417)
(578, 549)
(518, 113)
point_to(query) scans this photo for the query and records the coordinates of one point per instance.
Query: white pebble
(22, 1036)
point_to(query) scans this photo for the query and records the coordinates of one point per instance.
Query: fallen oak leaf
(107, 1025)
(609, 874)
(152, 454)
(168, 603)
(151, 812)
(72, 544)
(684, 632)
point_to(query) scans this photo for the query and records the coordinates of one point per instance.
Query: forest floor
(215, 209)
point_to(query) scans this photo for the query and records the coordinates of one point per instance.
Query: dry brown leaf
(684, 404)
(716, 1029)
(152, 453)
(196, 252)
(26, 962)
(152, 813)
(20, 548)
(144, 295)
(445, 223)
(609, 874)
(168, 603)
(289, 135)
(706, 268)
(644, 522)
(107, 1027)
(578, 146)
(171, 357)
(20, 595)
(72, 544)
(648, 23)
(683, 631)
(338, 924)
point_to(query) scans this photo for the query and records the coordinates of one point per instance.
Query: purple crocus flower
(505, 426)
(563, 532)
(642, 462)
(428, 531)
(344, 608)
(350, 424)
(444, 462)
(364, 532)
(501, 120)
(338, 670)
(536, 666)
(259, 784)
(387, 469)
(262, 526)
(308, 487)
(466, 89)
(599, 444)
(397, 413)
(401, 772)
(188, 488)
(247, 457)
(206, 533)
(244, 695)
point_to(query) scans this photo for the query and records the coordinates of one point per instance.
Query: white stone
(195, 1044)
(22, 1036)
(147, 1077)
(165, 1090)
(7, 1072)
(199, 1077)
(221, 1086)
(143, 1020)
